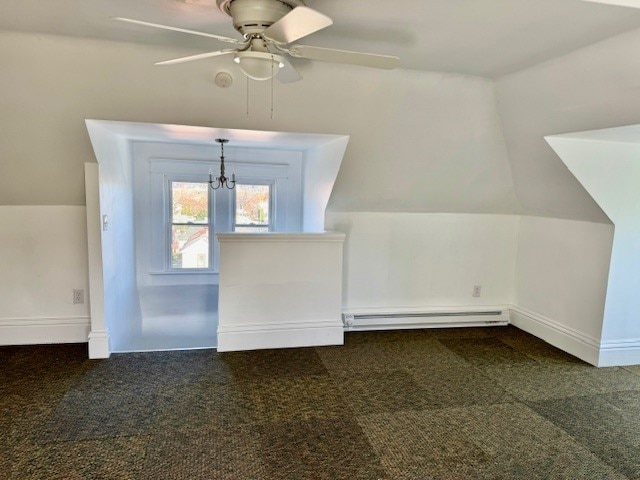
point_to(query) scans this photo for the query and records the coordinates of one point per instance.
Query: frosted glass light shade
(259, 65)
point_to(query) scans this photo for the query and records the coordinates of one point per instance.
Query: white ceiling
(474, 37)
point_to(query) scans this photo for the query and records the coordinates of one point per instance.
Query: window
(189, 225)
(252, 208)
(177, 237)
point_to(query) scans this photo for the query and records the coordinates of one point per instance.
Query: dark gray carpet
(425, 404)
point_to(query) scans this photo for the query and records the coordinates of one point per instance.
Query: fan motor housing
(254, 16)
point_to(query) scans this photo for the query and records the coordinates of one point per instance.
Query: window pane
(189, 246)
(190, 202)
(252, 205)
(252, 229)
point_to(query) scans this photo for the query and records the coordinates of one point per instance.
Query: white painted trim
(98, 338)
(99, 344)
(33, 331)
(565, 338)
(435, 321)
(619, 352)
(282, 237)
(279, 335)
(177, 166)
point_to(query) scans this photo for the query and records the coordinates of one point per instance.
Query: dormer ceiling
(473, 37)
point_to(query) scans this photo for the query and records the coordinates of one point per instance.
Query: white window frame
(153, 211)
(211, 204)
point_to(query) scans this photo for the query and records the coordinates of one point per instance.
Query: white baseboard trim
(99, 344)
(33, 331)
(391, 318)
(567, 339)
(619, 353)
(281, 335)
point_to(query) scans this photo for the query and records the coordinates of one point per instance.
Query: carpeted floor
(427, 404)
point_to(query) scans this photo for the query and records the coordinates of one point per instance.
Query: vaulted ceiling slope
(421, 141)
(592, 88)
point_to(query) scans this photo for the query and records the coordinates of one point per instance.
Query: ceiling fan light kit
(259, 65)
(269, 28)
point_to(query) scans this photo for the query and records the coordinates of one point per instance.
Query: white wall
(591, 88)
(420, 142)
(561, 282)
(43, 258)
(551, 272)
(121, 304)
(280, 290)
(610, 171)
(426, 260)
(321, 167)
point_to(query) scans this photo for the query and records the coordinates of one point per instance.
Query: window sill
(188, 272)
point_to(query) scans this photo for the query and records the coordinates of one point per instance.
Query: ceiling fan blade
(200, 56)
(298, 23)
(176, 29)
(386, 62)
(288, 74)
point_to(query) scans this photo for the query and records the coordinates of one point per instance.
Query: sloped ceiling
(470, 37)
(420, 141)
(424, 138)
(592, 88)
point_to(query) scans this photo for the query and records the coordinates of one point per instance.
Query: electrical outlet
(78, 295)
(477, 290)
(348, 319)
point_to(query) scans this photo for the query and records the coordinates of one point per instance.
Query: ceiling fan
(269, 28)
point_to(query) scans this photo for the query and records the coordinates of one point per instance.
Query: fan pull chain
(247, 97)
(272, 75)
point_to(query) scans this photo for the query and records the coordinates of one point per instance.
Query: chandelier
(222, 181)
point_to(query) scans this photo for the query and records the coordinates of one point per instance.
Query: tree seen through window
(189, 225)
(252, 208)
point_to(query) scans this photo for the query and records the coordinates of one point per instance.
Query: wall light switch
(105, 223)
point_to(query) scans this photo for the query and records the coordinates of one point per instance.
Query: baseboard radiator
(427, 319)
